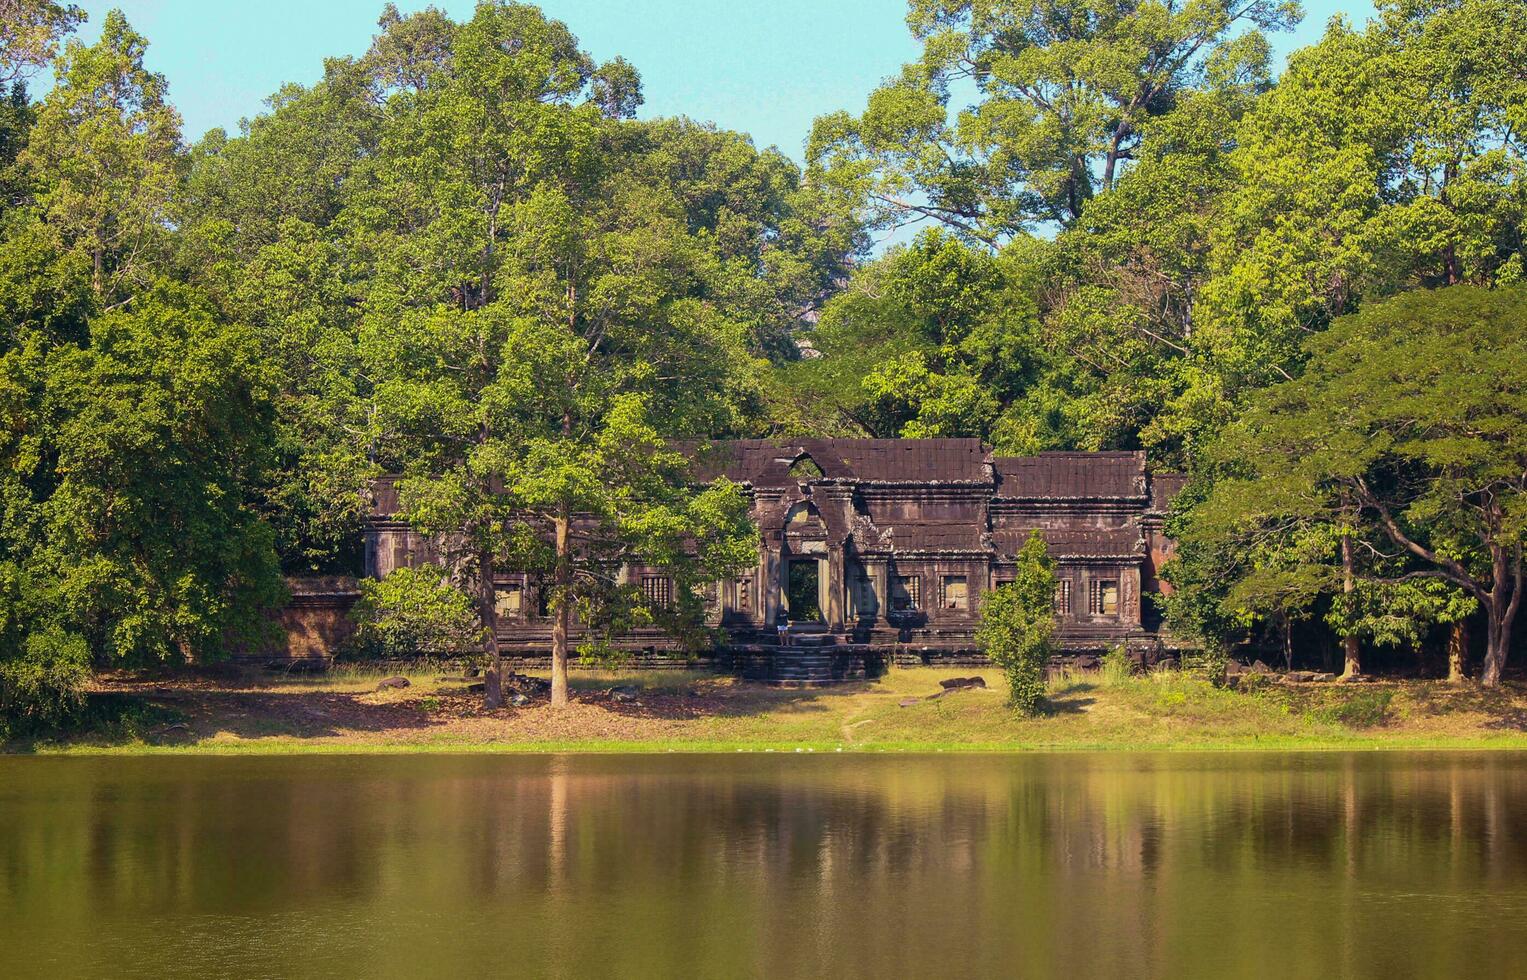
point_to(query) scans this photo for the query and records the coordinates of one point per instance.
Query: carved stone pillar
(770, 585)
(1129, 601)
(834, 587)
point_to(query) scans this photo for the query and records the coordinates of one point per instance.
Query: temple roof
(1165, 486)
(768, 462)
(909, 536)
(1071, 475)
(1074, 542)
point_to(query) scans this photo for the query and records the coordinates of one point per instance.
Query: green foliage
(1064, 91)
(134, 419)
(29, 34)
(459, 256)
(415, 611)
(932, 340)
(1116, 667)
(43, 683)
(1209, 220)
(102, 159)
(140, 533)
(544, 312)
(1404, 436)
(1017, 622)
(1385, 159)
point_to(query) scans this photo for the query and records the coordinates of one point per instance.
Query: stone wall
(315, 623)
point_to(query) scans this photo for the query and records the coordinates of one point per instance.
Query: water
(1378, 865)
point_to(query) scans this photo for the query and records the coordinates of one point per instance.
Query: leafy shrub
(1017, 621)
(43, 682)
(412, 611)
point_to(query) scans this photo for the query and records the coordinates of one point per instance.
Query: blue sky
(766, 67)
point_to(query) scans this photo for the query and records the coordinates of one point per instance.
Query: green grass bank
(344, 712)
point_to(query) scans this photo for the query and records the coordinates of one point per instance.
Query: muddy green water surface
(1258, 865)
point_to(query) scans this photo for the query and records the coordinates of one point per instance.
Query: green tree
(536, 327)
(344, 203)
(934, 339)
(103, 158)
(1387, 158)
(146, 542)
(775, 248)
(1017, 623)
(29, 34)
(1063, 92)
(129, 535)
(1399, 451)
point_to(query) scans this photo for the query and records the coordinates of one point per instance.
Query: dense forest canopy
(462, 257)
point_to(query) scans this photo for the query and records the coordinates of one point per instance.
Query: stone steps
(810, 667)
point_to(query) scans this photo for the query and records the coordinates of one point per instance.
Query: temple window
(657, 590)
(509, 601)
(744, 595)
(1105, 598)
(956, 592)
(805, 468)
(1063, 598)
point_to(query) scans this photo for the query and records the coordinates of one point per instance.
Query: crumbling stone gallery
(875, 549)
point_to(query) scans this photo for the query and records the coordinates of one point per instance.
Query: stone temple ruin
(872, 551)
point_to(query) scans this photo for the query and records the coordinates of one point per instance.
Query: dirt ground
(347, 710)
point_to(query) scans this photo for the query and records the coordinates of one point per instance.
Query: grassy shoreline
(276, 747)
(679, 712)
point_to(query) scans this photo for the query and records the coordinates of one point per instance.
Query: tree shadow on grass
(1505, 707)
(1072, 700)
(116, 718)
(741, 701)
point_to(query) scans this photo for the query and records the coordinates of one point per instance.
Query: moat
(1222, 865)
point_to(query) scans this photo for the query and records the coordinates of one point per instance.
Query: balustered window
(1105, 598)
(1063, 598)
(658, 591)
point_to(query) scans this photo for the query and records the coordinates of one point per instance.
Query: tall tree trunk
(1496, 640)
(1288, 643)
(1458, 653)
(1351, 665)
(487, 611)
(1500, 613)
(563, 581)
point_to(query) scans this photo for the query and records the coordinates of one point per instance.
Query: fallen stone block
(955, 683)
(393, 684)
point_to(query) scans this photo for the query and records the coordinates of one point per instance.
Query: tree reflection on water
(1222, 865)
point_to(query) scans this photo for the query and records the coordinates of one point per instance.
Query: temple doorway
(803, 591)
